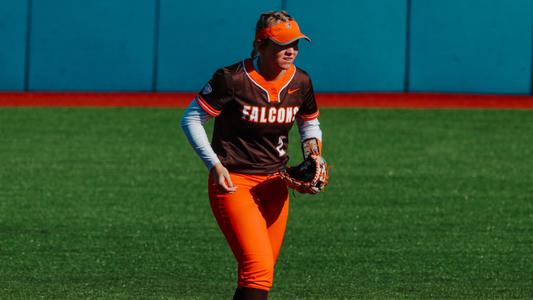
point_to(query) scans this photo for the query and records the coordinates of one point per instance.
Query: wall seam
(407, 67)
(531, 51)
(27, 57)
(155, 60)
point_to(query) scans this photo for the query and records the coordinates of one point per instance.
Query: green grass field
(422, 204)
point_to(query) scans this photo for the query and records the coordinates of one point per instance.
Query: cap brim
(284, 43)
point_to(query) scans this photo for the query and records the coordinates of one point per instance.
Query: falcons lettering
(269, 115)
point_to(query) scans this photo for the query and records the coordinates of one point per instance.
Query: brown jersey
(254, 116)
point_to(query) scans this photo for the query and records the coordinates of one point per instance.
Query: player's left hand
(309, 177)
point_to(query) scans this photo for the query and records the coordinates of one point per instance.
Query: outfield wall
(457, 46)
(325, 100)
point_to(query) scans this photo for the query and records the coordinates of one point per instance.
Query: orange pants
(253, 220)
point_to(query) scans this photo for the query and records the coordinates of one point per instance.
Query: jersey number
(280, 145)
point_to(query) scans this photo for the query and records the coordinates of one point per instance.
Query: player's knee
(257, 274)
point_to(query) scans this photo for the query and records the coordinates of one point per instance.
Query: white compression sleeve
(192, 123)
(309, 129)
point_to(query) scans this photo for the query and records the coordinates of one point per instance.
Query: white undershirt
(192, 123)
(195, 117)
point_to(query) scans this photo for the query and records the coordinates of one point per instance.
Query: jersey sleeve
(215, 94)
(309, 109)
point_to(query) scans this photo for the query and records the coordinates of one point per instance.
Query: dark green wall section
(470, 46)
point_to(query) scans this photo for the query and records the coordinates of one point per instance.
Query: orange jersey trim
(310, 116)
(272, 88)
(206, 107)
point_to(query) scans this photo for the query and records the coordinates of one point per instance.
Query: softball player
(255, 103)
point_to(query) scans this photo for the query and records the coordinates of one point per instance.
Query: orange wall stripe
(325, 100)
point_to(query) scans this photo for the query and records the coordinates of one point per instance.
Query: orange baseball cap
(282, 33)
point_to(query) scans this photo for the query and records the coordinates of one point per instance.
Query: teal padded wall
(471, 46)
(97, 45)
(13, 19)
(197, 37)
(474, 46)
(356, 45)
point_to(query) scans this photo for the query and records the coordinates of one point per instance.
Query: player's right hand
(222, 178)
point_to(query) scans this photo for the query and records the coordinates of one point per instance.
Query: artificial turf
(422, 204)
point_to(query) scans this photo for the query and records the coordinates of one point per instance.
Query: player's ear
(262, 44)
(258, 45)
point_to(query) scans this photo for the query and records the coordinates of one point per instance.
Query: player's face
(281, 57)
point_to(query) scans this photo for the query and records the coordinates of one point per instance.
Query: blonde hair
(266, 20)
